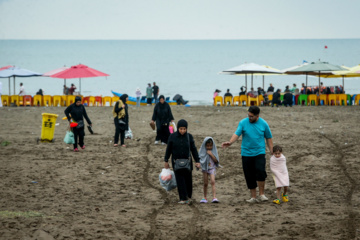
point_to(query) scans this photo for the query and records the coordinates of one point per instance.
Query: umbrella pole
(252, 81)
(14, 85)
(343, 84)
(319, 84)
(80, 86)
(9, 87)
(246, 82)
(306, 81)
(263, 82)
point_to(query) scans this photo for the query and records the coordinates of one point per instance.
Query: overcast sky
(179, 19)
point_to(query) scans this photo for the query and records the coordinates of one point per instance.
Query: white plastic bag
(128, 134)
(167, 179)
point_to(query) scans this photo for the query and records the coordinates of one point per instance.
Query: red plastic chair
(98, 101)
(28, 100)
(86, 101)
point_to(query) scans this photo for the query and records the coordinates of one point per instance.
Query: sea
(190, 68)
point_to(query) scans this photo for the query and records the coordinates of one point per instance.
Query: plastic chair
(270, 98)
(38, 100)
(296, 99)
(56, 100)
(243, 100)
(342, 98)
(91, 101)
(21, 100)
(98, 101)
(70, 99)
(27, 100)
(218, 101)
(356, 99)
(236, 100)
(323, 99)
(85, 101)
(261, 99)
(301, 98)
(47, 101)
(281, 97)
(5, 99)
(311, 98)
(349, 100)
(115, 99)
(332, 99)
(228, 100)
(15, 99)
(63, 100)
(254, 100)
(106, 100)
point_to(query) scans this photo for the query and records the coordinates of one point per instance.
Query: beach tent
(315, 68)
(250, 68)
(17, 72)
(3, 68)
(79, 71)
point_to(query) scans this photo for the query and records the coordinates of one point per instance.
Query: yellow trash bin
(48, 127)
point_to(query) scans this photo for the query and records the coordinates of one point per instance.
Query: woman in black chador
(162, 116)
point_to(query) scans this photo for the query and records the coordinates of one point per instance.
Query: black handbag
(80, 124)
(121, 121)
(183, 163)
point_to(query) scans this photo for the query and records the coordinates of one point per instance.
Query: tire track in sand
(351, 223)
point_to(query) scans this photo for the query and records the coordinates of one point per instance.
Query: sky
(175, 19)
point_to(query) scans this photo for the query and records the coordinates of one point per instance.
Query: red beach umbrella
(79, 71)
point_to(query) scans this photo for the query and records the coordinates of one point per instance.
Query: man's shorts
(254, 169)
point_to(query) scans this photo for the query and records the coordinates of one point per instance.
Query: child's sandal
(276, 201)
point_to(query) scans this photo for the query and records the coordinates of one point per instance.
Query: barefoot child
(280, 174)
(209, 160)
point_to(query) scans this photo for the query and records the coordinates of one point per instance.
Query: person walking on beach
(209, 161)
(72, 89)
(156, 92)
(138, 96)
(121, 120)
(162, 115)
(181, 145)
(149, 94)
(22, 90)
(280, 174)
(76, 113)
(253, 130)
(65, 90)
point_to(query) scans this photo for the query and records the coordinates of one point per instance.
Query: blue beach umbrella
(17, 72)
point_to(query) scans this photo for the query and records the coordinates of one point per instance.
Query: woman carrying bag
(121, 120)
(180, 146)
(77, 112)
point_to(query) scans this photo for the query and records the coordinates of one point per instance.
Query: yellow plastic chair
(261, 99)
(105, 100)
(312, 97)
(270, 98)
(114, 100)
(342, 98)
(15, 99)
(70, 99)
(56, 100)
(47, 100)
(63, 100)
(218, 101)
(38, 100)
(21, 100)
(357, 99)
(236, 101)
(254, 100)
(332, 99)
(324, 97)
(228, 100)
(91, 101)
(242, 99)
(5, 99)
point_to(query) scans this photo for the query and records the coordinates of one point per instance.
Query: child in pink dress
(280, 174)
(209, 161)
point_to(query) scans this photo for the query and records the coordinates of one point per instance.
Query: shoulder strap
(189, 145)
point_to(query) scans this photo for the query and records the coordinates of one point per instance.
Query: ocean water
(186, 67)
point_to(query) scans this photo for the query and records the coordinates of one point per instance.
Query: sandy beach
(102, 192)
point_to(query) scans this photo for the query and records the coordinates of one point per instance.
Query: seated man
(288, 99)
(276, 98)
(252, 93)
(228, 94)
(243, 91)
(179, 99)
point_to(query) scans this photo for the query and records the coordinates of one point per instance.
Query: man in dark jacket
(288, 99)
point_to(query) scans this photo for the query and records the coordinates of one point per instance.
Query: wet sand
(104, 192)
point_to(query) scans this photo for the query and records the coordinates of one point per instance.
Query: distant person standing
(22, 90)
(253, 130)
(66, 90)
(72, 89)
(155, 92)
(138, 96)
(149, 92)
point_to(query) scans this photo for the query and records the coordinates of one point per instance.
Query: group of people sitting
(288, 93)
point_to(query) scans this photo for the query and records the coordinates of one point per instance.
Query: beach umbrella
(250, 68)
(79, 71)
(17, 72)
(55, 71)
(315, 68)
(349, 73)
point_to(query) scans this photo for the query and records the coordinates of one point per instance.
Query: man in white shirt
(22, 90)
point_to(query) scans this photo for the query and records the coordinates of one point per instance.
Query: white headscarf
(204, 157)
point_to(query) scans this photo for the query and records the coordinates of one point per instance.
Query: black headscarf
(77, 98)
(123, 98)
